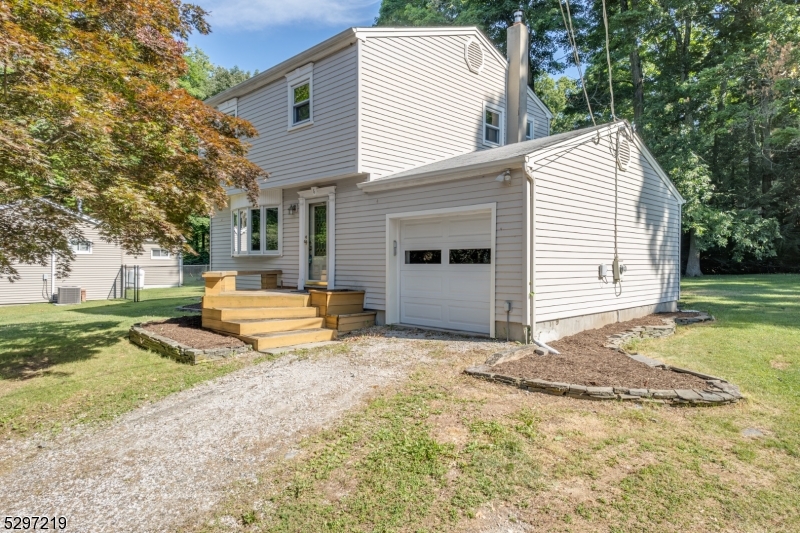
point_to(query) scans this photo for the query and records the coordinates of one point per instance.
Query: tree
(203, 79)
(91, 112)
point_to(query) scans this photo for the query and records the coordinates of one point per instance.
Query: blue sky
(257, 34)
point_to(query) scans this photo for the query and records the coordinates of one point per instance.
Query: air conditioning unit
(69, 295)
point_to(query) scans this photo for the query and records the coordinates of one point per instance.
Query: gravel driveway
(157, 466)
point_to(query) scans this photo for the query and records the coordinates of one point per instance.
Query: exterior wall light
(292, 209)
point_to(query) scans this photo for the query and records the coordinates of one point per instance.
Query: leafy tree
(91, 112)
(203, 79)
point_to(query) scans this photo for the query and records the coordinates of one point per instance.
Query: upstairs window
(160, 253)
(301, 96)
(492, 125)
(301, 107)
(528, 128)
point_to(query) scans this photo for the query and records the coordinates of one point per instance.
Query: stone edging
(177, 351)
(718, 390)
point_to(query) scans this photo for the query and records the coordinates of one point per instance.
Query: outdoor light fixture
(292, 209)
(505, 176)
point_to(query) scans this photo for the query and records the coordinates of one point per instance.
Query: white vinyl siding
(361, 232)
(420, 102)
(326, 149)
(287, 262)
(574, 229)
(159, 271)
(541, 124)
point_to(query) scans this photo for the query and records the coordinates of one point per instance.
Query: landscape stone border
(718, 390)
(177, 351)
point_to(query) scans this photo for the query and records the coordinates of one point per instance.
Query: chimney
(517, 82)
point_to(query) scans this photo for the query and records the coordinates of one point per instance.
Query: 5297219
(35, 523)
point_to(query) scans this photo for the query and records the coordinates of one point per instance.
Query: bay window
(255, 231)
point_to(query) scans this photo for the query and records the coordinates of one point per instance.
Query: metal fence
(193, 274)
(136, 282)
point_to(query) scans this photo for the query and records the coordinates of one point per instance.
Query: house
(416, 164)
(97, 269)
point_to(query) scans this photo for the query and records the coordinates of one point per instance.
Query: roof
(503, 155)
(76, 214)
(338, 42)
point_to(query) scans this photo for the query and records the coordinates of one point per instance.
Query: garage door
(445, 272)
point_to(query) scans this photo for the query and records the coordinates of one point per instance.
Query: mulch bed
(585, 361)
(188, 330)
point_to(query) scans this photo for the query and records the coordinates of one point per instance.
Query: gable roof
(504, 157)
(76, 214)
(343, 40)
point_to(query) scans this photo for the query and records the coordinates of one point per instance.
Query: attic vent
(473, 54)
(623, 153)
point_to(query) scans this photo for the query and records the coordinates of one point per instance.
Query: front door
(318, 243)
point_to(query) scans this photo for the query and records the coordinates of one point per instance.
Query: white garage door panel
(443, 295)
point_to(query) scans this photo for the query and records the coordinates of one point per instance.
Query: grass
(64, 365)
(445, 452)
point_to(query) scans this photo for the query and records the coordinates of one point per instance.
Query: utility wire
(608, 59)
(571, 36)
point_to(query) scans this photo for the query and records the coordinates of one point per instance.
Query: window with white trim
(81, 247)
(301, 96)
(492, 125)
(256, 230)
(528, 127)
(160, 253)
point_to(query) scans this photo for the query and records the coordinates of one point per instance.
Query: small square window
(81, 247)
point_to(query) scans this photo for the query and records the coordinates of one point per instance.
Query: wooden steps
(266, 341)
(268, 325)
(351, 322)
(245, 313)
(255, 299)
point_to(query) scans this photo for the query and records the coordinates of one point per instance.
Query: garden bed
(593, 365)
(184, 340)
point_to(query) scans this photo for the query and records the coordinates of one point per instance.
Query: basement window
(492, 125)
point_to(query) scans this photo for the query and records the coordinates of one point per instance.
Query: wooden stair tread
(287, 333)
(270, 320)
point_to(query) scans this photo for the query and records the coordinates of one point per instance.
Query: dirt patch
(188, 331)
(585, 361)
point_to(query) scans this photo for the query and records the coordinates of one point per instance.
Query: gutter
(441, 175)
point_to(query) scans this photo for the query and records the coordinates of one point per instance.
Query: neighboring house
(97, 269)
(417, 165)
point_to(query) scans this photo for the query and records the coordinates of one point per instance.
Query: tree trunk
(693, 264)
(637, 76)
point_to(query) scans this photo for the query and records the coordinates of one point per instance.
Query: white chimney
(517, 82)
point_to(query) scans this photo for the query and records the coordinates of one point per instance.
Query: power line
(608, 59)
(571, 37)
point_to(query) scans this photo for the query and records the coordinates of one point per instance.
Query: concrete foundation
(555, 329)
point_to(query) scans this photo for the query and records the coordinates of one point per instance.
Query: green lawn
(446, 452)
(62, 365)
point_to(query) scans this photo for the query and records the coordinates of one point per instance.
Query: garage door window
(471, 256)
(423, 257)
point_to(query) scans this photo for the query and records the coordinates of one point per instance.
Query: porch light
(292, 209)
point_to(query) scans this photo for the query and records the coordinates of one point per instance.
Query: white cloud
(257, 14)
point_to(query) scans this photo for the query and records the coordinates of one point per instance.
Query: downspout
(52, 277)
(529, 318)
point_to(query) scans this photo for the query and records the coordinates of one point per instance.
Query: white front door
(445, 272)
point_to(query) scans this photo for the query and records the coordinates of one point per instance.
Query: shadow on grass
(32, 350)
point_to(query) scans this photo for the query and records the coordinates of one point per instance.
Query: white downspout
(529, 320)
